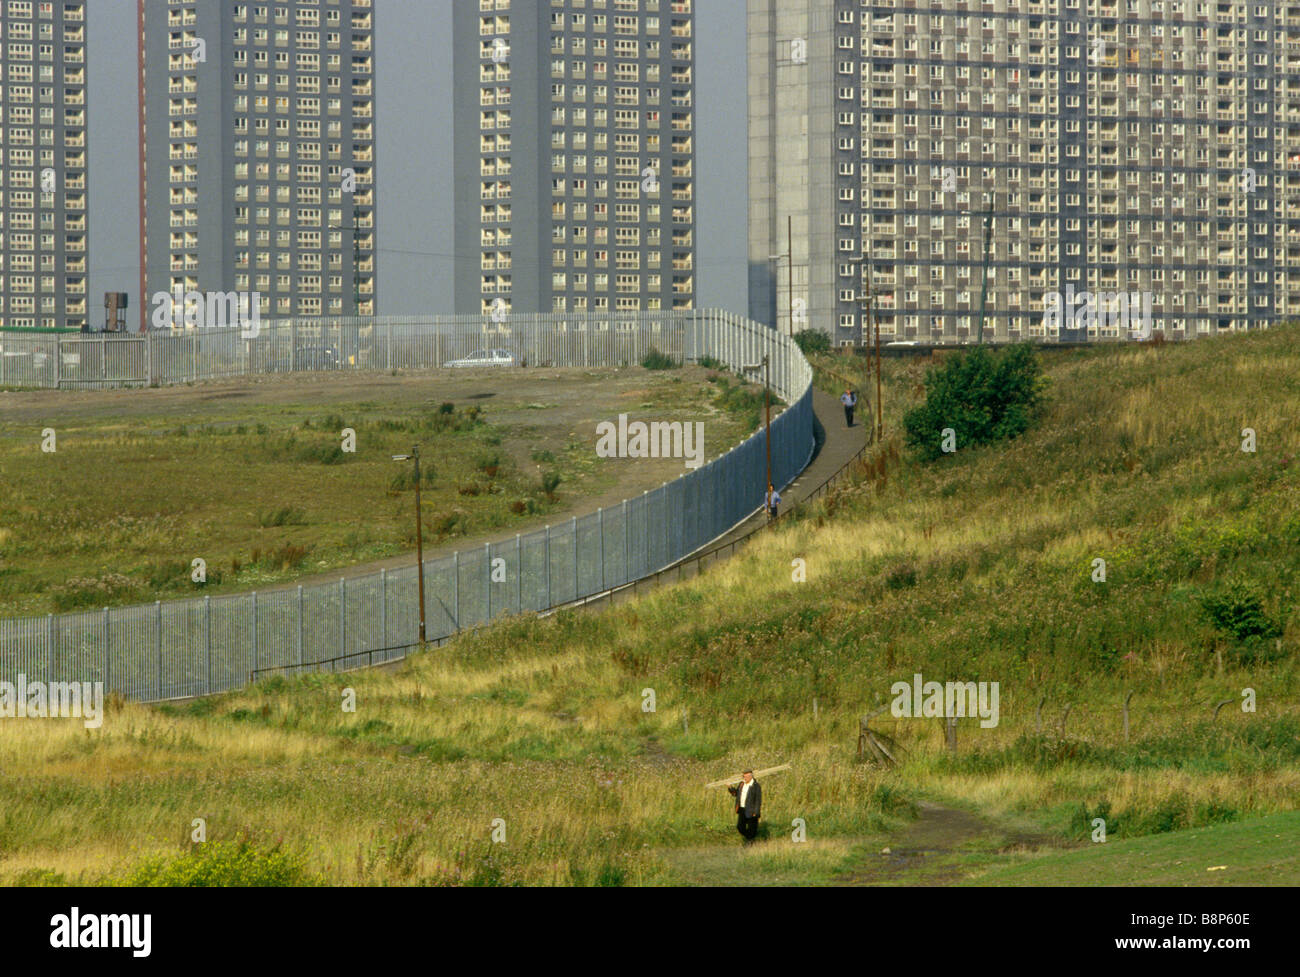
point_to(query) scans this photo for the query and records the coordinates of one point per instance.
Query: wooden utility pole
(767, 409)
(419, 539)
(880, 412)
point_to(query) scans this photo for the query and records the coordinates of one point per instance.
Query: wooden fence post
(1126, 702)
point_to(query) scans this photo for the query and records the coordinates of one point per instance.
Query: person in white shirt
(850, 400)
(749, 803)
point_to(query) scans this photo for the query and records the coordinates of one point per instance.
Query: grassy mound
(980, 566)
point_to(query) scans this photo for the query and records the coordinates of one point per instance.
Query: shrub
(223, 864)
(284, 516)
(655, 360)
(712, 363)
(901, 577)
(983, 396)
(1238, 610)
(550, 482)
(812, 341)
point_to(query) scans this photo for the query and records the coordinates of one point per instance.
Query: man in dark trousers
(773, 502)
(850, 400)
(749, 801)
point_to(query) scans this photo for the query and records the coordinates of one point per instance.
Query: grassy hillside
(1257, 851)
(977, 567)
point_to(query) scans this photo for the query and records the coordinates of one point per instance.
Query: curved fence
(201, 645)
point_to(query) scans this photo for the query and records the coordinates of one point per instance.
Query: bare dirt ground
(938, 847)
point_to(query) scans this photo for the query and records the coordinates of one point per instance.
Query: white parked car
(487, 357)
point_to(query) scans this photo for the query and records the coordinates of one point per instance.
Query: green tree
(983, 396)
(812, 341)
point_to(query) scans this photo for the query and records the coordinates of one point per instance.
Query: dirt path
(939, 847)
(943, 846)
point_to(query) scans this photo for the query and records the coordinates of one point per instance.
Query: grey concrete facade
(574, 156)
(258, 146)
(791, 185)
(1134, 148)
(44, 199)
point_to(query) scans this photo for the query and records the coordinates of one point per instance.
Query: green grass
(253, 477)
(1258, 851)
(976, 567)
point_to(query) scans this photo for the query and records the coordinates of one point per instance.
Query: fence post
(383, 610)
(343, 618)
(574, 525)
(548, 567)
(49, 648)
(195, 371)
(487, 582)
(627, 553)
(255, 662)
(207, 637)
(600, 519)
(299, 662)
(455, 589)
(108, 651)
(158, 618)
(1126, 700)
(388, 362)
(519, 574)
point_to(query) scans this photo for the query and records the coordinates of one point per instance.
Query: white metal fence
(211, 644)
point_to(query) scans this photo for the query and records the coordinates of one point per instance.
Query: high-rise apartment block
(1143, 148)
(258, 153)
(575, 120)
(43, 194)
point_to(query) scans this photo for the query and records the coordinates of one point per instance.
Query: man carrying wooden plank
(749, 801)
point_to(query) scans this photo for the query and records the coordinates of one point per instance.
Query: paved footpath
(836, 445)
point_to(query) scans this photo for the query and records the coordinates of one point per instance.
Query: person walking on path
(773, 502)
(749, 803)
(850, 400)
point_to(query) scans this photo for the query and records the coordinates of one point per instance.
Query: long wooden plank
(740, 776)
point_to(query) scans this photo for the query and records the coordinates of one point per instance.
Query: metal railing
(203, 645)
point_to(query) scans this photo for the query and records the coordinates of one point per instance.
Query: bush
(812, 341)
(983, 396)
(284, 516)
(221, 864)
(655, 360)
(1238, 610)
